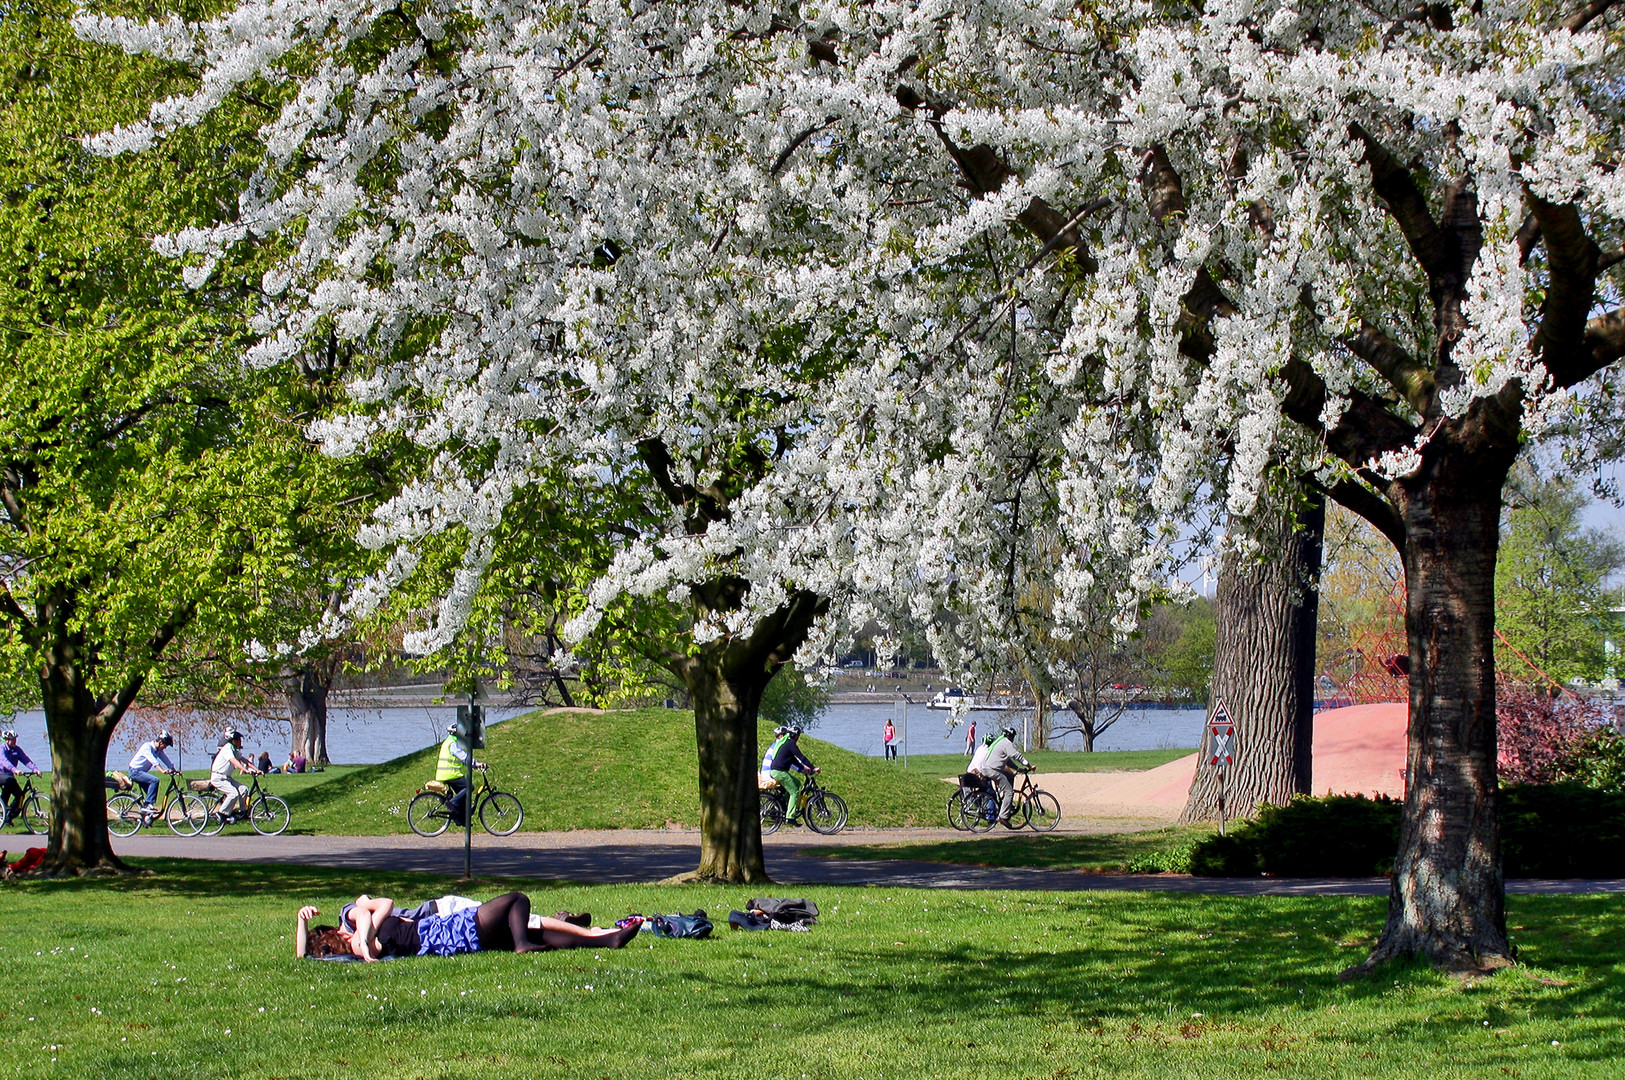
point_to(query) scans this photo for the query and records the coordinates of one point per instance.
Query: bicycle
(977, 809)
(822, 809)
(33, 809)
(184, 812)
(267, 813)
(429, 812)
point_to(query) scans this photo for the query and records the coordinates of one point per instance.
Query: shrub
(1174, 860)
(1544, 739)
(1337, 836)
(1562, 830)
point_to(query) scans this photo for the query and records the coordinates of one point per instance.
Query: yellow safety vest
(453, 760)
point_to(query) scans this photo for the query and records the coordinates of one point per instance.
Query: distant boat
(955, 698)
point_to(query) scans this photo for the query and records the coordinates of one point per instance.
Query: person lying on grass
(500, 925)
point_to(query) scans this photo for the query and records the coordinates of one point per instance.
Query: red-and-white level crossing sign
(1221, 737)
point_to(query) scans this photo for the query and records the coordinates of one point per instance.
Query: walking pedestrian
(970, 739)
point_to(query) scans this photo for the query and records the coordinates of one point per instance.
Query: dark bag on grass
(795, 910)
(697, 925)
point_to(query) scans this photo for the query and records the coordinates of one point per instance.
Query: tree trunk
(725, 711)
(79, 732)
(307, 690)
(1264, 672)
(1447, 902)
(725, 678)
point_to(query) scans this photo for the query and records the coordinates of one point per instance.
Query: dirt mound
(1358, 750)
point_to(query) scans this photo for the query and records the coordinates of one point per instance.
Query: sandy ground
(1357, 750)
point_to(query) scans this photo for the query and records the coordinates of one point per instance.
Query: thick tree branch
(1369, 505)
(1605, 340)
(1390, 360)
(112, 710)
(1406, 203)
(1586, 15)
(1571, 258)
(1366, 430)
(1164, 192)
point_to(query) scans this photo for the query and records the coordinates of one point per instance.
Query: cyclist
(786, 764)
(227, 758)
(13, 760)
(150, 758)
(452, 771)
(998, 768)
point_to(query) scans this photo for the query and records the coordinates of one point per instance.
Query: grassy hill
(612, 770)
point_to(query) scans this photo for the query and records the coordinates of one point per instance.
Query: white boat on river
(955, 698)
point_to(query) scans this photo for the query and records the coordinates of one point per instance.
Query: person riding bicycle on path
(13, 760)
(999, 769)
(786, 764)
(150, 758)
(452, 770)
(972, 776)
(227, 758)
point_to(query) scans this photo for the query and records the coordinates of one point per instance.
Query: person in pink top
(890, 732)
(970, 739)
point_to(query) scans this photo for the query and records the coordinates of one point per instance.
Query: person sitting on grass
(500, 925)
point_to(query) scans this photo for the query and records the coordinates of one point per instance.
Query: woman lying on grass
(500, 925)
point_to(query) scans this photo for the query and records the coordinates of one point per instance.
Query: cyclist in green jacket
(786, 763)
(452, 771)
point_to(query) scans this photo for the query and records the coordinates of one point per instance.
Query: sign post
(1221, 748)
(471, 721)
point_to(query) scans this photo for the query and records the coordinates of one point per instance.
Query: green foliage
(1186, 659)
(134, 979)
(792, 698)
(1552, 602)
(1547, 830)
(1562, 830)
(1599, 761)
(1335, 836)
(576, 769)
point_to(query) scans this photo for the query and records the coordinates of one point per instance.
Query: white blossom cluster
(560, 230)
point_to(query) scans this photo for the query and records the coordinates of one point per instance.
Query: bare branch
(1586, 15)
(1369, 505)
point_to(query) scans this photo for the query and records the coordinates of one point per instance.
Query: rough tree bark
(1447, 898)
(726, 678)
(1264, 671)
(307, 689)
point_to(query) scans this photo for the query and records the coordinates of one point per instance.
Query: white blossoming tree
(1388, 229)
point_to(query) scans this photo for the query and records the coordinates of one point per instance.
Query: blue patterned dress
(448, 935)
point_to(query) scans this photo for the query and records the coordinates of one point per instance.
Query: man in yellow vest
(453, 771)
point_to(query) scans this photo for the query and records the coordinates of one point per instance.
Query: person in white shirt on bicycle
(227, 758)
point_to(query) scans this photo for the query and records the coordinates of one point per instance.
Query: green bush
(1337, 836)
(1173, 860)
(1547, 830)
(1562, 830)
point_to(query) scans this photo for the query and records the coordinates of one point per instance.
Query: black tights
(504, 924)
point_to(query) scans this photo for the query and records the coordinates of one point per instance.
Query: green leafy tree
(1553, 604)
(147, 480)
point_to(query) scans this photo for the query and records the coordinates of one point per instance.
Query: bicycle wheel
(427, 815)
(981, 811)
(188, 815)
(772, 813)
(37, 814)
(124, 815)
(826, 813)
(269, 815)
(1043, 811)
(1019, 809)
(213, 822)
(501, 813)
(956, 812)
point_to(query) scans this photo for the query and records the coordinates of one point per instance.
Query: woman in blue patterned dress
(501, 925)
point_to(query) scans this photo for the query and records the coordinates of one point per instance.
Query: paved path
(638, 856)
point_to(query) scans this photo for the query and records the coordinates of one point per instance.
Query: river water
(365, 736)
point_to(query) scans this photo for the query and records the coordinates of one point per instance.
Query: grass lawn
(1106, 853)
(633, 769)
(190, 974)
(1058, 761)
